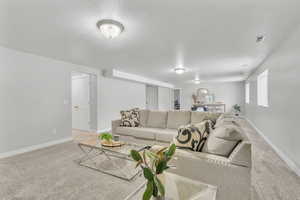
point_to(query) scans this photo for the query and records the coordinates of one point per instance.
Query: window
(247, 93)
(262, 89)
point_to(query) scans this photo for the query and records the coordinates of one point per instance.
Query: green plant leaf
(161, 166)
(160, 186)
(149, 191)
(171, 150)
(151, 155)
(138, 164)
(161, 150)
(105, 136)
(155, 190)
(136, 155)
(148, 174)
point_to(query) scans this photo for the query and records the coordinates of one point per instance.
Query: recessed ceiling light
(179, 70)
(110, 28)
(260, 38)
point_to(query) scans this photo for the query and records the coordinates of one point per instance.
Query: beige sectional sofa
(231, 174)
(161, 125)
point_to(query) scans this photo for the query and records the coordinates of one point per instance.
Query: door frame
(93, 103)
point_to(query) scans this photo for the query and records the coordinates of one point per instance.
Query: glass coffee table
(115, 161)
(179, 188)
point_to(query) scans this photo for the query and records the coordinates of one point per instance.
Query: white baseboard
(104, 130)
(293, 166)
(34, 147)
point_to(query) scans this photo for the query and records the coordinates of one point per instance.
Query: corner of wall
(291, 164)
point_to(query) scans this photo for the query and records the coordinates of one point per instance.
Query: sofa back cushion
(227, 122)
(143, 117)
(223, 140)
(157, 119)
(178, 118)
(226, 116)
(197, 117)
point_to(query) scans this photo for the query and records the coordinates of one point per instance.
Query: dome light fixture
(110, 28)
(179, 70)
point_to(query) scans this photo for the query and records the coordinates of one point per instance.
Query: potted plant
(153, 165)
(237, 109)
(106, 137)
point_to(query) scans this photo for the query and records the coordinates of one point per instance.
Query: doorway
(177, 99)
(84, 101)
(151, 97)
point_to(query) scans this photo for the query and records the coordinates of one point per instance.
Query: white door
(80, 102)
(151, 97)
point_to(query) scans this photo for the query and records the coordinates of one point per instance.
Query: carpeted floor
(52, 174)
(271, 177)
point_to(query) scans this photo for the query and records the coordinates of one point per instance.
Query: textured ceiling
(214, 39)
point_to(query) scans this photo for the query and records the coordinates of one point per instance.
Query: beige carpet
(52, 174)
(271, 177)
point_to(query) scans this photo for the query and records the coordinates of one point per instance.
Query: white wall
(280, 121)
(164, 98)
(230, 93)
(33, 91)
(116, 95)
(35, 99)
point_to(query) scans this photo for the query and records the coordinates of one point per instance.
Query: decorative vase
(162, 179)
(158, 198)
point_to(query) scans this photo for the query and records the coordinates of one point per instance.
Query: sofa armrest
(114, 125)
(233, 181)
(241, 155)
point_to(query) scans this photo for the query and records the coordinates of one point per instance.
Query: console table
(211, 107)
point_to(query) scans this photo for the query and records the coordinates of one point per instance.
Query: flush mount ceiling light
(197, 81)
(110, 28)
(179, 70)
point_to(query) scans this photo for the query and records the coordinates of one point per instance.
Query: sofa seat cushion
(166, 135)
(200, 155)
(138, 132)
(178, 118)
(193, 155)
(157, 119)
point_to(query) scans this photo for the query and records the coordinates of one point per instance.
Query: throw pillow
(130, 118)
(223, 140)
(193, 137)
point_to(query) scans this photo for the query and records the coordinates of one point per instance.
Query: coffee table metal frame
(92, 151)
